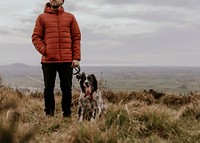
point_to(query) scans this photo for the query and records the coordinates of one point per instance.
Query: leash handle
(76, 70)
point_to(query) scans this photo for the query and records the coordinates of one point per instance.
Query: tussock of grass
(11, 132)
(160, 121)
(137, 116)
(125, 97)
(118, 116)
(9, 99)
(191, 112)
(86, 133)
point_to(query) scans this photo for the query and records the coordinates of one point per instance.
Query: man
(56, 37)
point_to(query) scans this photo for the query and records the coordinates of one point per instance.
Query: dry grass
(137, 116)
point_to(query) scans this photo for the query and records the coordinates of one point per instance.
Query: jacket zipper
(59, 36)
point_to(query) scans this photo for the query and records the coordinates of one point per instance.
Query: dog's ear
(48, 4)
(95, 83)
(78, 76)
(82, 79)
(83, 74)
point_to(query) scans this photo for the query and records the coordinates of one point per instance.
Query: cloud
(145, 16)
(137, 32)
(4, 31)
(177, 3)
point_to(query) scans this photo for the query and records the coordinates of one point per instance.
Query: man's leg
(49, 73)
(65, 75)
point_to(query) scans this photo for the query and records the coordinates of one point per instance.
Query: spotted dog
(90, 103)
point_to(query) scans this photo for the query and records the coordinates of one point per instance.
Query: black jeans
(64, 71)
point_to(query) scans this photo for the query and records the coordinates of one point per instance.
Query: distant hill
(18, 68)
(15, 65)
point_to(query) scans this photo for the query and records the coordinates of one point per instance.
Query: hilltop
(18, 68)
(136, 116)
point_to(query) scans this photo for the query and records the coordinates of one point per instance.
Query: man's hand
(75, 63)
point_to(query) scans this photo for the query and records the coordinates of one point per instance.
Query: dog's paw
(92, 120)
(81, 119)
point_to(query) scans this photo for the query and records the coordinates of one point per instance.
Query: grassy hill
(132, 117)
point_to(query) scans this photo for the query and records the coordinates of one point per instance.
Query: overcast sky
(114, 32)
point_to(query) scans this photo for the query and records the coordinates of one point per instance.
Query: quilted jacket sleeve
(38, 36)
(76, 38)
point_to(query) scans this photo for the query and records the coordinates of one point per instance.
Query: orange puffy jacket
(57, 36)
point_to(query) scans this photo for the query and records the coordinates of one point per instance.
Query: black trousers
(64, 71)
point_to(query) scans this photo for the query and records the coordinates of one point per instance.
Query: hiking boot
(66, 115)
(50, 113)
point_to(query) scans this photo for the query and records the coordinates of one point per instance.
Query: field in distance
(164, 79)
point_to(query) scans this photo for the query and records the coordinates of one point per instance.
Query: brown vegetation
(137, 116)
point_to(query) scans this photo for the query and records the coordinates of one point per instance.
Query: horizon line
(112, 65)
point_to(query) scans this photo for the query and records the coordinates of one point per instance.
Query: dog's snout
(87, 83)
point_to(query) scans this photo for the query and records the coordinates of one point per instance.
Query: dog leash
(76, 72)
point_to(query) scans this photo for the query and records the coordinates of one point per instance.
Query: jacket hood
(47, 9)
